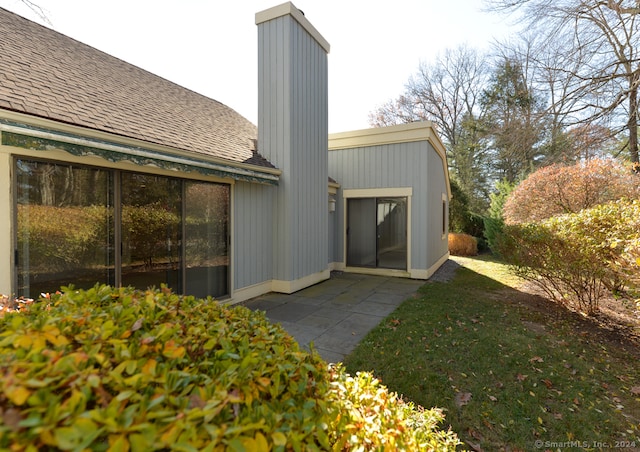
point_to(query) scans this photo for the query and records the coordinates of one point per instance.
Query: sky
(210, 46)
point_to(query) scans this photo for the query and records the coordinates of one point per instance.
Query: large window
(64, 227)
(207, 239)
(167, 230)
(151, 231)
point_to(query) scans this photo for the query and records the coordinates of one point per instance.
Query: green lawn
(511, 372)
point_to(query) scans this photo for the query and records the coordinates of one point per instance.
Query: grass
(510, 373)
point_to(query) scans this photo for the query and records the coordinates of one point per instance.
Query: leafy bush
(375, 419)
(494, 221)
(579, 257)
(462, 245)
(458, 209)
(122, 369)
(560, 189)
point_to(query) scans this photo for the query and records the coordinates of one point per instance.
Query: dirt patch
(535, 327)
(617, 323)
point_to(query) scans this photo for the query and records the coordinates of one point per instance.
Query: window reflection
(151, 235)
(206, 239)
(171, 231)
(64, 227)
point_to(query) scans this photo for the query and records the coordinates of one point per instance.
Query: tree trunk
(633, 117)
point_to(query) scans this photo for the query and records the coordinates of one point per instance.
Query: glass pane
(64, 227)
(392, 233)
(361, 232)
(151, 231)
(206, 232)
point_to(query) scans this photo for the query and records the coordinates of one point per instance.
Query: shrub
(122, 369)
(578, 257)
(560, 189)
(376, 419)
(494, 221)
(462, 245)
(458, 209)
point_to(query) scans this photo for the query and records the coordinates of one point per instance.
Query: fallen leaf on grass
(462, 398)
(521, 377)
(536, 359)
(635, 390)
(548, 383)
(493, 399)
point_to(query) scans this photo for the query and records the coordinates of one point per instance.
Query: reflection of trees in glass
(63, 238)
(62, 185)
(151, 233)
(207, 221)
(64, 224)
(151, 220)
(65, 229)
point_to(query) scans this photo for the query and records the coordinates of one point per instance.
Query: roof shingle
(48, 74)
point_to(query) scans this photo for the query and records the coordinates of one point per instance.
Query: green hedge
(121, 369)
(579, 257)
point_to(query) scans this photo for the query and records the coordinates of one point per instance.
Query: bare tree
(37, 10)
(447, 92)
(443, 92)
(599, 72)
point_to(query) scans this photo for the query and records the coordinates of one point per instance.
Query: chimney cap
(289, 8)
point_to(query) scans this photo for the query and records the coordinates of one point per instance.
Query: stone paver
(334, 316)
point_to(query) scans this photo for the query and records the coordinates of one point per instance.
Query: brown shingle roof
(47, 74)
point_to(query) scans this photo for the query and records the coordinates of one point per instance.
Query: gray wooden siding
(293, 135)
(252, 234)
(413, 165)
(437, 186)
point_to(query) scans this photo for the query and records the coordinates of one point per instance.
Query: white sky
(210, 46)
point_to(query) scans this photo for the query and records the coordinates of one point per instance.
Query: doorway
(377, 232)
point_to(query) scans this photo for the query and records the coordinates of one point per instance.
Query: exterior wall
(397, 159)
(252, 239)
(293, 135)
(438, 244)
(251, 209)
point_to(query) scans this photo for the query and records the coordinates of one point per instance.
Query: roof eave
(42, 128)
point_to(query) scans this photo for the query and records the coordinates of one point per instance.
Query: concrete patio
(336, 314)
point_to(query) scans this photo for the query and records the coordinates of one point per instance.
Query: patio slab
(335, 315)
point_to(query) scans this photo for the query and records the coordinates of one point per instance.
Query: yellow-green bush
(462, 245)
(579, 257)
(121, 369)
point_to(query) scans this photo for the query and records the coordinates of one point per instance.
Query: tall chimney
(293, 135)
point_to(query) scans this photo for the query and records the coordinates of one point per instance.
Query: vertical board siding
(438, 246)
(293, 135)
(252, 234)
(413, 164)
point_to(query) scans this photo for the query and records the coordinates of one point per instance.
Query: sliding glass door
(377, 232)
(168, 231)
(151, 231)
(64, 227)
(207, 239)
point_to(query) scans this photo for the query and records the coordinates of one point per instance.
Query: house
(111, 174)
